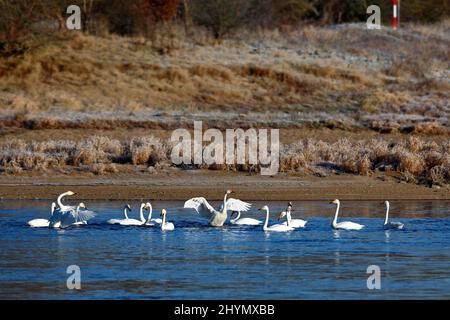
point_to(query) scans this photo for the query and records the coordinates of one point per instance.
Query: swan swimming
(243, 221)
(126, 209)
(294, 223)
(275, 227)
(61, 206)
(76, 217)
(55, 219)
(166, 226)
(151, 221)
(391, 225)
(345, 225)
(39, 223)
(135, 222)
(216, 218)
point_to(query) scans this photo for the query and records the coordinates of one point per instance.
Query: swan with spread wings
(216, 217)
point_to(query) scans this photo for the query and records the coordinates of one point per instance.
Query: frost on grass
(412, 159)
(308, 68)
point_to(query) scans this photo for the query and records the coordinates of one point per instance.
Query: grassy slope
(345, 68)
(336, 77)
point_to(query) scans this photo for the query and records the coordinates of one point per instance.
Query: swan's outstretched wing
(85, 215)
(68, 218)
(237, 205)
(55, 217)
(200, 205)
(73, 216)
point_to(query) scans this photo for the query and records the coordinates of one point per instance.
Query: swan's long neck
(267, 219)
(224, 210)
(77, 216)
(336, 214)
(150, 211)
(387, 213)
(288, 216)
(141, 213)
(237, 217)
(125, 212)
(163, 224)
(59, 200)
(53, 209)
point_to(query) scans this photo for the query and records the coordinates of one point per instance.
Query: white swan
(151, 221)
(295, 223)
(216, 218)
(126, 208)
(135, 222)
(166, 226)
(39, 223)
(275, 227)
(55, 219)
(63, 207)
(391, 225)
(346, 225)
(76, 217)
(244, 221)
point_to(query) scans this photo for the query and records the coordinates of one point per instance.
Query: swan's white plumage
(391, 225)
(237, 205)
(135, 222)
(131, 222)
(200, 205)
(126, 208)
(247, 222)
(275, 227)
(294, 223)
(216, 218)
(63, 207)
(166, 226)
(244, 221)
(42, 223)
(279, 228)
(38, 223)
(76, 217)
(345, 225)
(151, 221)
(55, 219)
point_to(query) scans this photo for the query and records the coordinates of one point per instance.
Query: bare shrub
(411, 163)
(436, 175)
(415, 159)
(87, 154)
(97, 168)
(147, 151)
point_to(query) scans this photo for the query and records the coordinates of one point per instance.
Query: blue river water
(199, 262)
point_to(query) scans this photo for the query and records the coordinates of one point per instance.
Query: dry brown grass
(425, 161)
(414, 159)
(338, 77)
(332, 68)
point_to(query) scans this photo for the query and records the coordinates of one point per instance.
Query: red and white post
(396, 5)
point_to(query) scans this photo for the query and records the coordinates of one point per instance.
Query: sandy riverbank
(181, 185)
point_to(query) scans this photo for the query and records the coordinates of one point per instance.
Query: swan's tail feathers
(237, 205)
